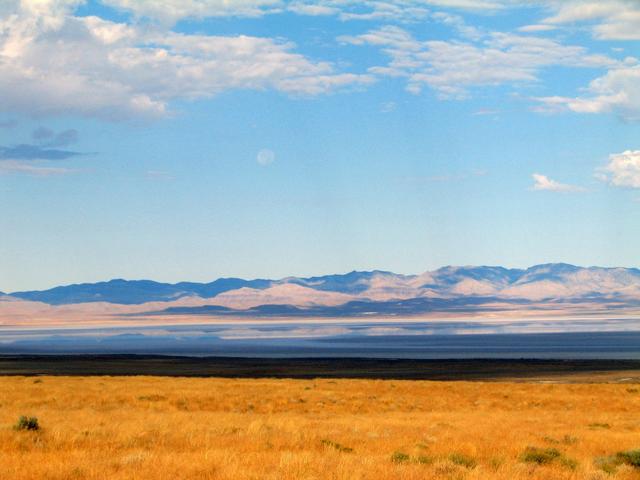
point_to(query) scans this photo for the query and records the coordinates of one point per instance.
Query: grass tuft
(152, 398)
(400, 457)
(462, 460)
(569, 463)
(337, 446)
(424, 460)
(606, 426)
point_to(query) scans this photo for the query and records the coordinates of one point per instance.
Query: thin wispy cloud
(536, 28)
(42, 157)
(486, 111)
(35, 152)
(31, 169)
(159, 175)
(48, 138)
(388, 107)
(446, 177)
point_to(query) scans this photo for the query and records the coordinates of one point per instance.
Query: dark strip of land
(484, 370)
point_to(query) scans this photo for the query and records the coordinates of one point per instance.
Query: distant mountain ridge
(451, 288)
(131, 292)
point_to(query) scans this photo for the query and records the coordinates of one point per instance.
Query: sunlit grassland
(180, 428)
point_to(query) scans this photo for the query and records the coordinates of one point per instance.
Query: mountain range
(458, 290)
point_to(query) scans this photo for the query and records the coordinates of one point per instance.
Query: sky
(196, 139)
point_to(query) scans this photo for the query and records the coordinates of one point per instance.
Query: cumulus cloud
(135, 70)
(138, 69)
(453, 67)
(542, 182)
(623, 169)
(618, 91)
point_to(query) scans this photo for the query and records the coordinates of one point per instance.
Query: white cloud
(537, 28)
(398, 10)
(608, 20)
(618, 91)
(312, 9)
(452, 67)
(458, 24)
(611, 19)
(486, 111)
(542, 182)
(265, 157)
(623, 169)
(52, 62)
(174, 10)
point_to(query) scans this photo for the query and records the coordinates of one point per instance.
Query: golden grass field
(180, 428)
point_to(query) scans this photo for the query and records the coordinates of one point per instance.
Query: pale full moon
(265, 157)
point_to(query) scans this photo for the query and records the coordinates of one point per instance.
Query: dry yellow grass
(179, 428)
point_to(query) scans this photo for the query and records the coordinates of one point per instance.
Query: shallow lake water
(539, 338)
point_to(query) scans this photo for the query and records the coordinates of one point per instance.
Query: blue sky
(194, 139)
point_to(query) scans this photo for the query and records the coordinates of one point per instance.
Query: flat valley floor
(145, 427)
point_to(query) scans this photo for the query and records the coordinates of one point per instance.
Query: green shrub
(399, 457)
(541, 456)
(630, 457)
(462, 460)
(27, 423)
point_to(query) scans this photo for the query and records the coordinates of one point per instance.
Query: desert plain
(151, 427)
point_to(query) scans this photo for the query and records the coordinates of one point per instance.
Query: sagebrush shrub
(27, 423)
